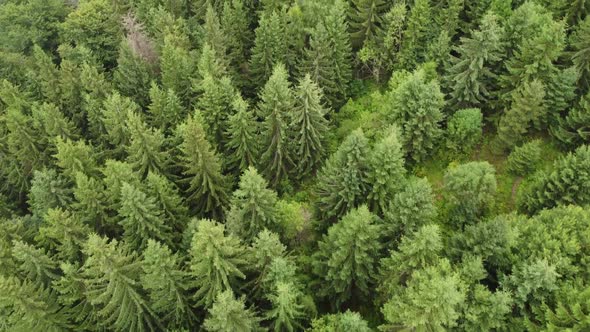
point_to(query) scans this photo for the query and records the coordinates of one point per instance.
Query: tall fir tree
(366, 21)
(168, 200)
(33, 263)
(347, 256)
(343, 180)
(176, 66)
(144, 152)
(207, 186)
(63, 233)
(133, 75)
(215, 104)
(235, 24)
(230, 314)
(579, 42)
(287, 310)
(48, 190)
(217, 261)
(215, 37)
(573, 130)
(275, 108)
(73, 157)
(165, 110)
(91, 204)
(253, 206)
(115, 134)
(242, 131)
(269, 47)
(416, 36)
(141, 219)
(309, 125)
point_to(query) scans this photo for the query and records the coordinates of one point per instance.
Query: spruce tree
(346, 321)
(165, 109)
(215, 37)
(209, 65)
(253, 206)
(471, 78)
(415, 105)
(230, 314)
(416, 36)
(73, 157)
(235, 24)
(91, 204)
(167, 285)
(525, 158)
(386, 171)
(34, 264)
(111, 284)
(48, 190)
(464, 131)
(64, 233)
(113, 122)
(217, 261)
(141, 219)
(276, 107)
(53, 123)
(242, 131)
(144, 153)
(269, 47)
(168, 200)
(309, 125)
(573, 130)
(266, 247)
(343, 180)
(177, 67)
(287, 310)
(133, 75)
(366, 21)
(207, 187)
(347, 256)
(527, 109)
(215, 103)
(580, 43)
(115, 173)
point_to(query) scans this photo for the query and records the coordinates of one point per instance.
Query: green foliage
(287, 309)
(581, 46)
(177, 67)
(202, 169)
(168, 200)
(572, 129)
(33, 263)
(63, 232)
(230, 314)
(347, 256)
(48, 190)
(464, 130)
(73, 157)
(415, 105)
(252, 207)
(525, 158)
(217, 261)
(343, 181)
(416, 35)
(346, 321)
(133, 75)
(91, 201)
(165, 109)
(95, 25)
(216, 102)
(366, 21)
(269, 47)
(565, 184)
(242, 130)
(144, 152)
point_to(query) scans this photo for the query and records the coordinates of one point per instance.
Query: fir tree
(73, 157)
(48, 190)
(525, 158)
(464, 131)
(113, 118)
(177, 68)
(217, 261)
(141, 219)
(209, 65)
(168, 200)
(309, 125)
(527, 109)
(266, 247)
(53, 123)
(230, 314)
(347, 321)
(347, 256)
(242, 130)
(253, 206)
(275, 107)
(343, 181)
(580, 43)
(287, 310)
(366, 17)
(34, 264)
(91, 201)
(416, 36)
(386, 175)
(573, 130)
(115, 174)
(215, 103)
(415, 105)
(64, 233)
(167, 285)
(133, 75)
(111, 280)
(269, 47)
(165, 109)
(471, 77)
(215, 37)
(144, 153)
(202, 169)
(235, 24)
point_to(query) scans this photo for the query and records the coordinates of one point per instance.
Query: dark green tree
(269, 47)
(165, 110)
(48, 190)
(416, 35)
(133, 75)
(177, 67)
(242, 131)
(580, 44)
(347, 256)
(235, 24)
(573, 130)
(525, 158)
(217, 261)
(343, 181)
(215, 103)
(207, 186)
(366, 21)
(33, 263)
(168, 200)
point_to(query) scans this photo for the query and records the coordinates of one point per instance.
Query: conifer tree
(525, 158)
(215, 37)
(242, 130)
(386, 171)
(165, 109)
(115, 174)
(230, 314)
(144, 153)
(52, 123)
(343, 181)
(167, 285)
(309, 125)
(347, 256)
(217, 261)
(573, 130)
(133, 75)
(266, 247)
(410, 208)
(64, 233)
(48, 190)
(215, 103)
(416, 36)
(177, 68)
(168, 200)
(471, 77)
(114, 127)
(253, 206)
(141, 219)
(527, 109)
(111, 280)
(202, 169)
(73, 157)
(209, 65)
(580, 43)
(366, 21)
(91, 204)
(415, 105)
(30, 307)
(275, 107)
(235, 24)
(269, 47)
(287, 310)
(464, 131)
(34, 264)
(346, 321)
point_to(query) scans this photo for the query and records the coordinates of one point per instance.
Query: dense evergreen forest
(294, 165)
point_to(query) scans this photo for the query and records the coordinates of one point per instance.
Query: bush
(525, 158)
(464, 131)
